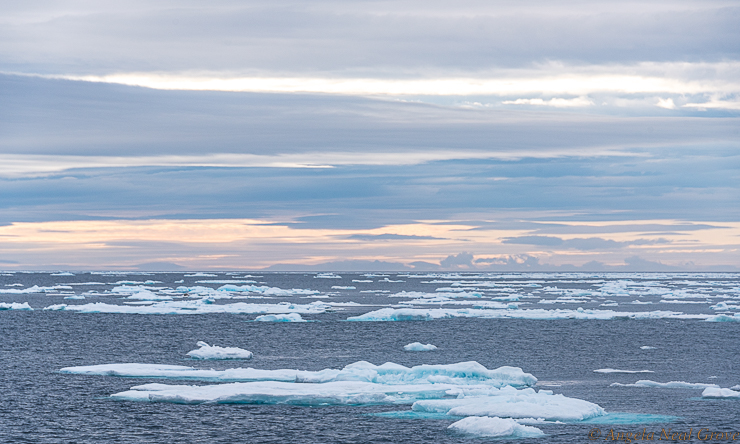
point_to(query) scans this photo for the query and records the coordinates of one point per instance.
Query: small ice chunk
(419, 347)
(215, 352)
(146, 295)
(290, 317)
(75, 296)
(714, 392)
(647, 347)
(343, 287)
(614, 370)
(494, 427)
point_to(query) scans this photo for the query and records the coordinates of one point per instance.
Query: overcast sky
(505, 135)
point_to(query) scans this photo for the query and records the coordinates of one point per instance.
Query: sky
(370, 135)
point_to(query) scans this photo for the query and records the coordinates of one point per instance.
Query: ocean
(556, 327)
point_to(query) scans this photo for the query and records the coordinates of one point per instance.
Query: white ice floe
(724, 318)
(146, 295)
(226, 281)
(415, 314)
(614, 370)
(671, 384)
(714, 392)
(512, 403)
(290, 317)
(215, 352)
(459, 374)
(419, 347)
(63, 273)
(265, 290)
(725, 306)
(484, 426)
(647, 347)
(340, 287)
(75, 296)
(15, 306)
(327, 276)
(35, 289)
(200, 306)
(200, 275)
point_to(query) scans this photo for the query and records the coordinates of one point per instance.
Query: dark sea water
(38, 404)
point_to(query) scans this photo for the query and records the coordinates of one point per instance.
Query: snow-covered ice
(215, 352)
(200, 306)
(614, 370)
(462, 373)
(484, 426)
(15, 306)
(715, 392)
(671, 384)
(418, 314)
(418, 347)
(290, 317)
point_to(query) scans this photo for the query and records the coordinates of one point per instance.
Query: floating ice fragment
(215, 352)
(146, 295)
(714, 392)
(724, 318)
(75, 296)
(495, 427)
(671, 384)
(265, 290)
(291, 317)
(327, 276)
(418, 347)
(15, 306)
(199, 306)
(613, 370)
(647, 347)
(340, 287)
(63, 273)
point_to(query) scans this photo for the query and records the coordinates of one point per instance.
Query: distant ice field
(119, 365)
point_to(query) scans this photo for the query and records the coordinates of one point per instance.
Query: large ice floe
(290, 317)
(671, 384)
(486, 427)
(451, 390)
(215, 352)
(199, 306)
(419, 314)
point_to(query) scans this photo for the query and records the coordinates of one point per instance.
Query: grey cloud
(461, 260)
(363, 37)
(591, 243)
(371, 237)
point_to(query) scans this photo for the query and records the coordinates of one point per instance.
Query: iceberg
(714, 392)
(484, 426)
(512, 403)
(671, 384)
(419, 347)
(290, 317)
(459, 374)
(419, 314)
(15, 306)
(613, 370)
(215, 352)
(724, 318)
(200, 306)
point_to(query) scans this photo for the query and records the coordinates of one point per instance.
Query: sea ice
(15, 306)
(265, 290)
(215, 352)
(459, 374)
(419, 347)
(340, 287)
(327, 276)
(416, 314)
(724, 318)
(495, 427)
(75, 296)
(290, 317)
(671, 384)
(200, 306)
(146, 295)
(613, 370)
(647, 347)
(512, 403)
(714, 392)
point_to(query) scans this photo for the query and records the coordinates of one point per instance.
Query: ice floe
(462, 373)
(35, 289)
(512, 403)
(290, 317)
(340, 287)
(715, 392)
(75, 296)
(146, 295)
(265, 290)
(724, 318)
(327, 276)
(614, 370)
(418, 347)
(15, 306)
(200, 306)
(416, 314)
(484, 426)
(647, 347)
(215, 352)
(671, 384)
